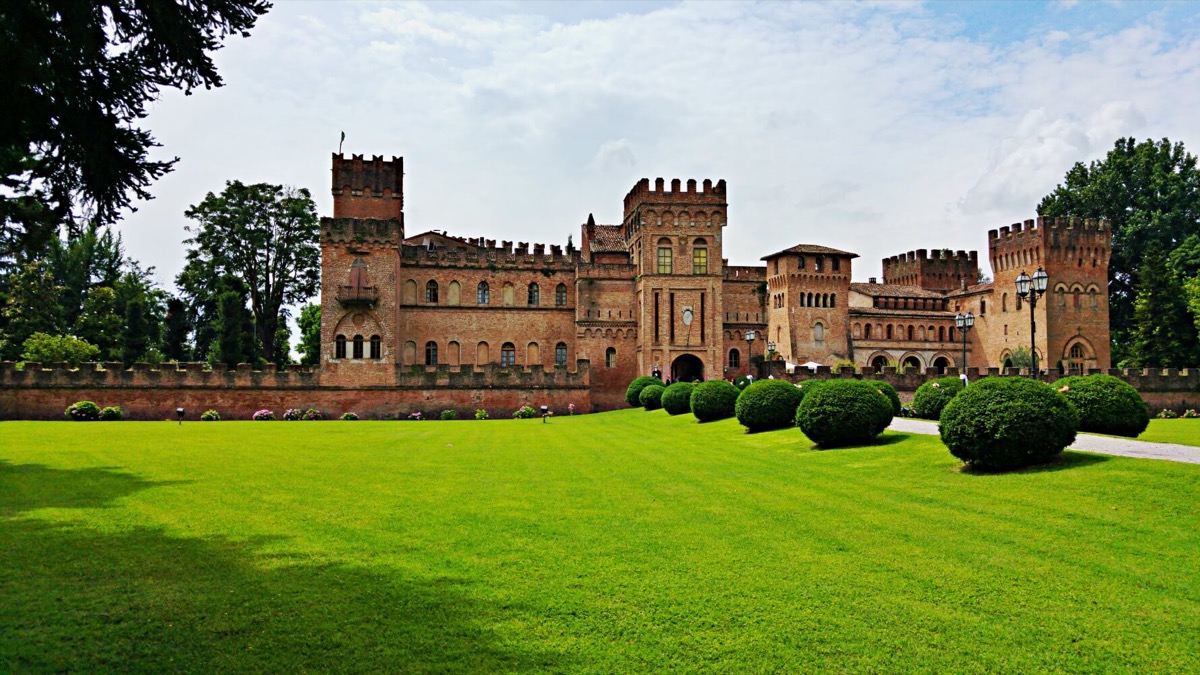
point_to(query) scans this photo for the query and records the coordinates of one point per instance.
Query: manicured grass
(623, 542)
(1183, 432)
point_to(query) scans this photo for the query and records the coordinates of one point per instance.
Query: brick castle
(430, 321)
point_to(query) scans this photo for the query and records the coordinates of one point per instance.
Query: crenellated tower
(1073, 312)
(360, 262)
(944, 270)
(808, 289)
(674, 238)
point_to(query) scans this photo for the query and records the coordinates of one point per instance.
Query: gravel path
(1104, 445)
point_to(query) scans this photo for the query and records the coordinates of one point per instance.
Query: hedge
(932, 396)
(890, 392)
(634, 391)
(651, 397)
(714, 400)
(768, 404)
(1106, 404)
(1008, 422)
(677, 399)
(844, 412)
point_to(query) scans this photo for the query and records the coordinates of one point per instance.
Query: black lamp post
(964, 322)
(749, 352)
(770, 356)
(1032, 289)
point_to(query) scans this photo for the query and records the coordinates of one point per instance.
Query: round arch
(687, 368)
(942, 362)
(912, 360)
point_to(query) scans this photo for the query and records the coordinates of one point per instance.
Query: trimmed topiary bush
(768, 404)
(890, 392)
(634, 391)
(1106, 404)
(651, 397)
(809, 386)
(844, 412)
(677, 399)
(1008, 422)
(83, 411)
(932, 396)
(112, 413)
(714, 400)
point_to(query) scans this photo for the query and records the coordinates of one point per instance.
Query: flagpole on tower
(340, 142)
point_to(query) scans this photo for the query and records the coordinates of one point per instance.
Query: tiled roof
(894, 291)
(811, 249)
(974, 288)
(608, 239)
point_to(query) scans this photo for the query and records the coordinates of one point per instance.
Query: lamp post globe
(1022, 284)
(1040, 280)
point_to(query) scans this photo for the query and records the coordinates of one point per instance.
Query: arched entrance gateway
(687, 368)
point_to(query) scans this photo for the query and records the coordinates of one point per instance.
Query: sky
(874, 127)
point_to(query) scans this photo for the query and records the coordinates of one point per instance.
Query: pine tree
(175, 345)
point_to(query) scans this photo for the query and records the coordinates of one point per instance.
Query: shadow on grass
(882, 440)
(1062, 462)
(76, 599)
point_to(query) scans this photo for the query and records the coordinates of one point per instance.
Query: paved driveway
(1104, 445)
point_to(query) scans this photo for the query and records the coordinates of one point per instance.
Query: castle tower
(1072, 317)
(360, 262)
(944, 270)
(808, 293)
(675, 241)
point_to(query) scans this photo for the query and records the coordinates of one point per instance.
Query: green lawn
(1184, 432)
(621, 542)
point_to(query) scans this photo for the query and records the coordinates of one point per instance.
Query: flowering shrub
(416, 415)
(349, 416)
(292, 414)
(312, 414)
(1190, 414)
(481, 413)
(525, 412)
(112, 413)
(83, 411)
(263, 415)
(1167, 415)
(210, 416)
(571, 409)
(449, 415)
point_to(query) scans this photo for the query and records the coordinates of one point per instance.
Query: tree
(77, 78)
(44, 348)
(32, 307)
(234, 338)
(102, 321)
(1150, 193)
(277, 253)
(138, 335)
(310, 335)
(1164, 334)
(175, 346)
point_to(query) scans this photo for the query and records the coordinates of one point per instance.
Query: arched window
(951, 331)
(431, 353)
(483, 294)
(376, 347)
(560, 354)
(1093, 298)
(700, 257)
(735, 358)
(819, 263)
(1004, 302)
(867, 332)
(941, 333)
(910, 332)
(818, 332)
(1077, 352)
(921, 333)
(410, 292)
(610, 357)
(1061, 292)
(358, 346)
(833, 299)
(339, 347)
(482, 354)
(879, 362)
(982, 307)
(534, 295)
(533, 354)
(453, 294)
(857, 330)
(509, 294)
(560, 295)
(431, 292)
(888, 330)
(508, 355)
(1077, 299)
(664, 256)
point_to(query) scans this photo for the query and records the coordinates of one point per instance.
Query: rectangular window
(700, 261)
(560, 355)
(664, 259)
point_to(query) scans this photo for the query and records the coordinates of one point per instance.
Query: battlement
(941, 270)
(746, 273)
(709, 194)
(1044, 224)
(367, 188)
(504, 255)
(362, 231)
(938, 254)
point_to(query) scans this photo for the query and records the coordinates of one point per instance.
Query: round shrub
(677, 399)
(844, 412)
(768, 404)
(809, 386)
(634, 391)
(210, 416)
(651, 397)
(713, 400)
(112, 413)
(932, 396)
(349, 416)
(83, 411)
(1008, 422)
(890, 392)
(263, 415)
(1106, 404)
(312, 414)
